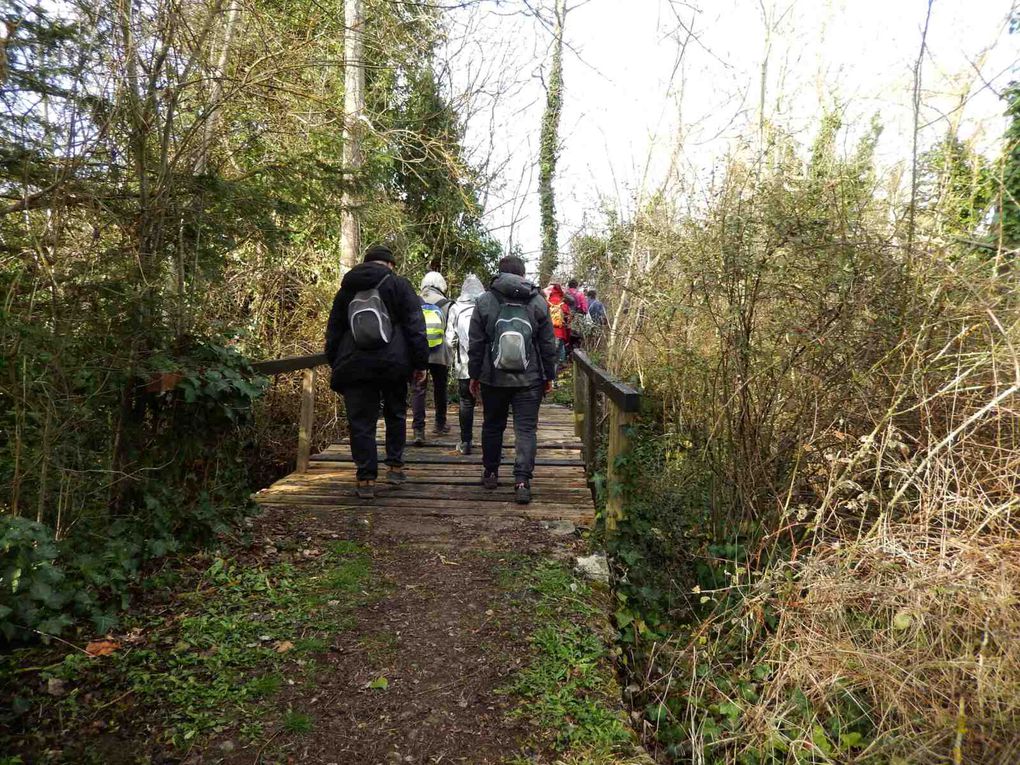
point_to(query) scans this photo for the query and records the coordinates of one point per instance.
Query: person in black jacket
(499, 389)
(366, 377)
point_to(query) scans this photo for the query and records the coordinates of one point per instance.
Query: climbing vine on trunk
(548, 151)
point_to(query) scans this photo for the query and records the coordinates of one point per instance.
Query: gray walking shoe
(522, 493)
(396, 476)
(443, 429)
(464, 447)
(366, 490)
(419, 437)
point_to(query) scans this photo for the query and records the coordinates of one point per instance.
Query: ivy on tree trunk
(548, 150)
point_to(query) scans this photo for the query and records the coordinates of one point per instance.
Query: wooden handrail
(626, 397)
(306, 420)
(624, 404)
(289, 364)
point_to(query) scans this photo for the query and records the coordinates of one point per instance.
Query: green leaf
(657, 713)
(623, 618)
(819, 739)
(380, 683)
(849, 740)
(902, 620)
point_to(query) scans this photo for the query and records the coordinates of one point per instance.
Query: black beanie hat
(379, 252)
(511, 264)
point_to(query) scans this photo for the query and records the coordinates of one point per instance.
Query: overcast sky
(650, 82)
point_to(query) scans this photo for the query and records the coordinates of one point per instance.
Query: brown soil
(446, 638)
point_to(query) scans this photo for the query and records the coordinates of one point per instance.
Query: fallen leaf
(283, 646)
(101, 647)
(55, 687)
(379, 684)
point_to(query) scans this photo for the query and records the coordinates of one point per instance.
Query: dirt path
(333, 638)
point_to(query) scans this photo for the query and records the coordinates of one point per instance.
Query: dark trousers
(440, 377)
(466, 410)
(497, 403)
(362, 402)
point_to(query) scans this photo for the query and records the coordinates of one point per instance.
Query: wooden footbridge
(442, 482)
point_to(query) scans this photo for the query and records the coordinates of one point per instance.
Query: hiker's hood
(433, 281)
(364, 276)
(514, 287)
(471, 290)
(555, 291)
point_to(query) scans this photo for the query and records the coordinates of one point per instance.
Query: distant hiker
(434, 306)
(559, 315)
(597, 310)
(598, 320)
(458, 337)
(375, 341)
(579, 297)
(512, 362)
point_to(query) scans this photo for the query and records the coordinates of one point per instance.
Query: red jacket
(558, 305)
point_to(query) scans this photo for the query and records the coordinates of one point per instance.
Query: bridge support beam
(619, 448)
(306, 421)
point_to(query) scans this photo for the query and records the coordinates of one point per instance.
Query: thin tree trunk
(216, 92)
(548, 152)
(354, 111)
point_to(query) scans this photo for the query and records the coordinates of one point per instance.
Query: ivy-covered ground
(328, 640)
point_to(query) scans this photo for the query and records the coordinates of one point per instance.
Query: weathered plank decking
(442, 482)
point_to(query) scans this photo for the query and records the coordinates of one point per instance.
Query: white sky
(629, 101)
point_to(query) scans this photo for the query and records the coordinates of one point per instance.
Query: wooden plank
(349, 479)
(574, 480)
(580, 516)
(450, 469)
(446, 459)
(476, 493)
(541, 502)
(572, 444)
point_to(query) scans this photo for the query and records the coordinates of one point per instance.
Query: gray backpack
(369, 319)
(513, 338)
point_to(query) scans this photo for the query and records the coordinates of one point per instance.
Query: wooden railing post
(591, 418)
(307, 420)
(580, 405)
(619, 447)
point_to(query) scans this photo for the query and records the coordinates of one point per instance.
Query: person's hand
(475, 387)
(419, 376)
(548, 387)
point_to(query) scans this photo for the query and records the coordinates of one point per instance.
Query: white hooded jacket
(459, 324)
(433, 290)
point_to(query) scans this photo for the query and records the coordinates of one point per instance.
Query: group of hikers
(505, 345)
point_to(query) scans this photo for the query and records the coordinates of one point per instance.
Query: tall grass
(838, 414)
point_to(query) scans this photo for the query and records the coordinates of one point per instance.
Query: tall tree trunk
(548, 151)
(216, 91)
(354, 111)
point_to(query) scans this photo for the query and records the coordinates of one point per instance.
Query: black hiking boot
(442, 430)
(490, 481)
(522, 493)
(396, 476)
(366, 490)
(464, 448)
